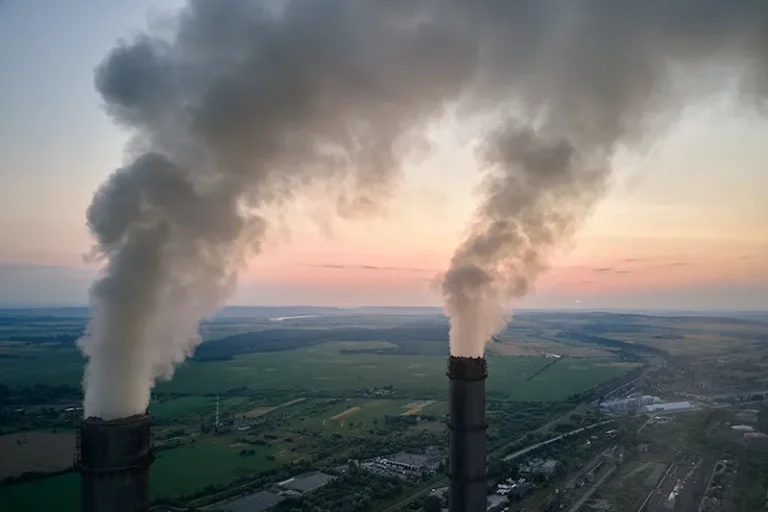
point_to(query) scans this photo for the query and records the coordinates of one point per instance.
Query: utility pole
(216, 424)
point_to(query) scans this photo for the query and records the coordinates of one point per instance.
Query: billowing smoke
(586, 78)
(235, 106)
(536, 193)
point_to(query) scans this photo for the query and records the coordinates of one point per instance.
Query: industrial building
(628, 404)
(539, 466)
(404, 462)
(668, 407)
(257, 502)
(306, 483)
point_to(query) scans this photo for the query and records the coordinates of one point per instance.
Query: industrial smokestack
(113, 459)
(466, 404)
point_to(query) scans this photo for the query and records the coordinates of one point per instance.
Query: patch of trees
(407, 421)
(382, 442)
(63, 339)
(511, 420)
(38, 394)
(358, 490)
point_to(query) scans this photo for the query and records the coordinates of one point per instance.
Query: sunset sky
(683, 226)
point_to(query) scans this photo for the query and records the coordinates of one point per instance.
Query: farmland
(320, 390)
(327, 368)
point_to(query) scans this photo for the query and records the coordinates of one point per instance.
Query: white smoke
(587, 77)
(235, 106)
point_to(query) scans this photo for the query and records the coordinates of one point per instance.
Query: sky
(683, 226)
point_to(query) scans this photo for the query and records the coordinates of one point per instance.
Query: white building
(668, 407)
(628, 404)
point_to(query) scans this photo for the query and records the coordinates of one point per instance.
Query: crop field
(213, 461)
(313, 401)
(326, 368)
(355, 416)
(35, 451)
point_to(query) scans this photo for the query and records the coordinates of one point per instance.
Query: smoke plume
(586, 78)
(235, 106)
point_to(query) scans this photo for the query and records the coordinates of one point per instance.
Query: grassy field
(326, 368)
(180, 407)
(267, 380)
(25, 364)
(176, 472)
(213, 461)
(356, 415)
(60, 493)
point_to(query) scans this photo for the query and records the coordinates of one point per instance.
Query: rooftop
(307, 482)
(257, 502)
(414, 459)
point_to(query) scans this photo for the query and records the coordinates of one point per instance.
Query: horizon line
(510, 311)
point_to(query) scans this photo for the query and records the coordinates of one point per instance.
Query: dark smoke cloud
(235, 106)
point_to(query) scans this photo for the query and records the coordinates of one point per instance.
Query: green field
(60, 493)
(354, 416)
(180, 407)
(325, 368)
(331, 378)
(187, 469)
(176, 472)
(26, 364)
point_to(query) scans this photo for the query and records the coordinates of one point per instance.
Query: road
(527, 449)
(655, 489)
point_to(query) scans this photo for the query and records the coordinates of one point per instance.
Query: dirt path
(261, 411)
(346, 413)
(416, 407)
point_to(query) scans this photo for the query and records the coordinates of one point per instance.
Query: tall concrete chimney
(467, 463)
(113, 459)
